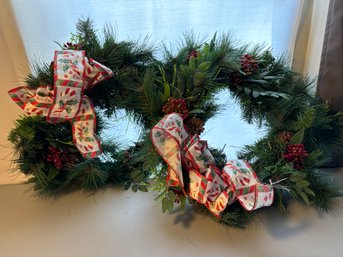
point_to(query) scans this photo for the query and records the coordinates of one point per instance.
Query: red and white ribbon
(207, 184)
(73, 73)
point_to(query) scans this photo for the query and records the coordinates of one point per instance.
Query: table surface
(113, 222)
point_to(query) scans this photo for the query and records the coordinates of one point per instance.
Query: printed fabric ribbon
(73, 73)
(207, 184)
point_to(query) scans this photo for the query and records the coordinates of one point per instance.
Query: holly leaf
(192, 63)
(206, 49)
(302, 183)
(170, 205)
(258, 81)
(247, 90)
(297, 177)
(304, 197)
(127, 185)
(197, 111)
(142, 188)
(134, 174)
(298, 137)
(52, 173)
(204, 66)
(255, 94)
(171, 195)
(263, 74)
(182, 201)
(162, 97)
(166, 90)
(270, 77)
(199, 78)
(134, 188)
(309, 192)
(164, 204)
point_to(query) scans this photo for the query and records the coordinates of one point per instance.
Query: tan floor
(123, 223)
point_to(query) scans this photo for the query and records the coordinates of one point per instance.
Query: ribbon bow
(207, 184)
(73, 73)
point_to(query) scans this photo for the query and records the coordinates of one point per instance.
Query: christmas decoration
(192, 54)
(180, 91)
(248, 64)
(73, 73)
(285, 136)
(60, 158)
(296, 154)
(195, 125)
(207, 184)
(176, 105)
(44, 149)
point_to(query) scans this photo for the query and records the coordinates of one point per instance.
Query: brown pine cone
(195, 125)
(178, 105)
(285, 136)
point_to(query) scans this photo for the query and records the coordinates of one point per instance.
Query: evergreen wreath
(302, 132)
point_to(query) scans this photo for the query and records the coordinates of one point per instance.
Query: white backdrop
(272, 22)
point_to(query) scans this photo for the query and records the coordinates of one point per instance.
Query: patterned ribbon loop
(73, 73)
(207, 184)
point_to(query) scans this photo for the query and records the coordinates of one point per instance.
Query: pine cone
(235, 78)
(285, 136)
(178, 105)
(195, 125)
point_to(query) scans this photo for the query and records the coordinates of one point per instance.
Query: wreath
(171, 99)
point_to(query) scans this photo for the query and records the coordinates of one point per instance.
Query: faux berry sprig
(192, 53)
(59, 158)
(296, 154)
(248, 64)
(72, 46)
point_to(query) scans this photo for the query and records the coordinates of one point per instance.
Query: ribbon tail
(250, 192)
(21, 96)
(84, 127)
(28, 100)
(207, 184)
(167, 137)
(96, 72)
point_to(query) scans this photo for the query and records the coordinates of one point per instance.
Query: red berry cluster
(295, 153)
(248, 64)
(59, 157)
(72, 46)
(178, 105)
(193, 53)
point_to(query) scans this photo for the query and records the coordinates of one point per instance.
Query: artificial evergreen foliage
(270, 94)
